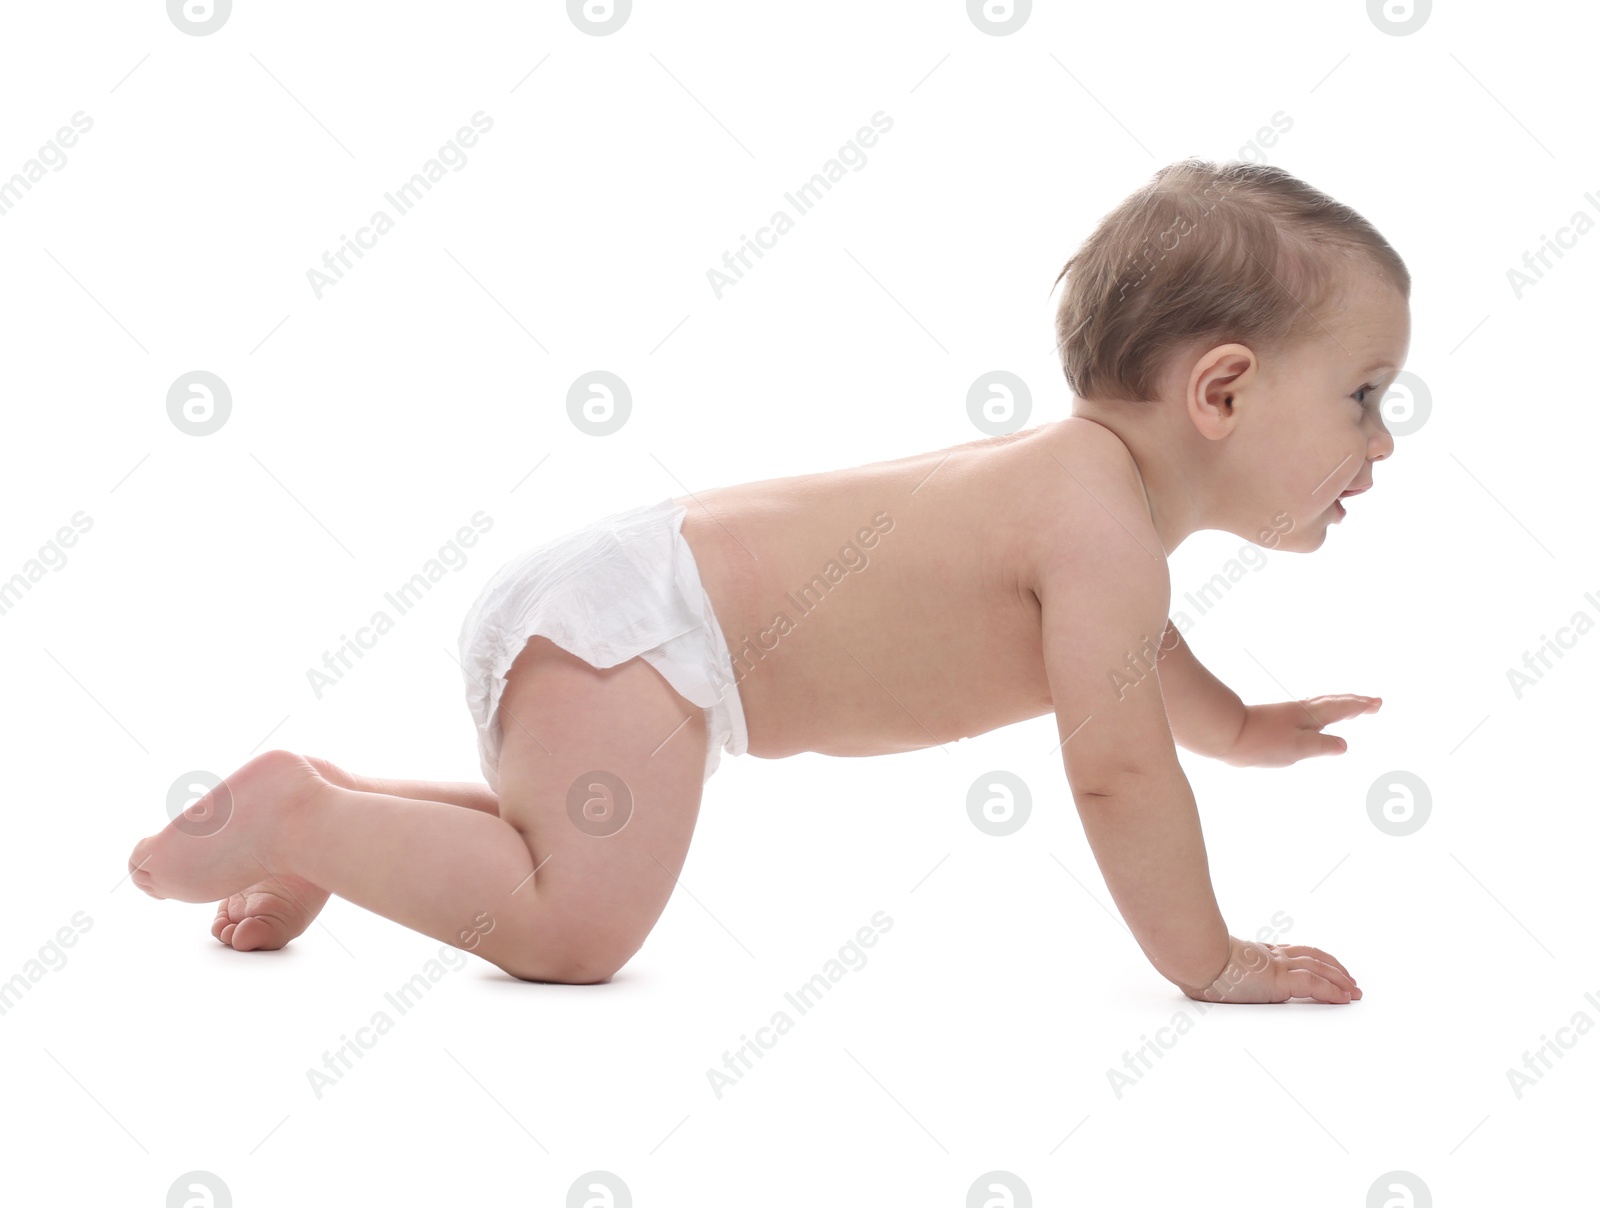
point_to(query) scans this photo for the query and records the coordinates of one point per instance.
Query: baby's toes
(258, 932)
(250, 920)
(229, 912)
(269, 914)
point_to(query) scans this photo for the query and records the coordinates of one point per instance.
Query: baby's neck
(1181, 496)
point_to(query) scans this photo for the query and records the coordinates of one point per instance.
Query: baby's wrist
(1200, 992)
(1236, 751)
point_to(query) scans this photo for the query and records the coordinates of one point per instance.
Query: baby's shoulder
(1094, 561)
(1088, 495)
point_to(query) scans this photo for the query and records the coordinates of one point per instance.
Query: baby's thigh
(601, 772)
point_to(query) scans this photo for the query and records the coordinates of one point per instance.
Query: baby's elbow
(1128, 778)
(1106, 784)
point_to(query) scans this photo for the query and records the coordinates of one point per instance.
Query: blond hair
(1234, 252)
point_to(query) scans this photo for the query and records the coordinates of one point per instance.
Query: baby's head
(1238, 329)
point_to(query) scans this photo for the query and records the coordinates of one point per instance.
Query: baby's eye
(1367, 389)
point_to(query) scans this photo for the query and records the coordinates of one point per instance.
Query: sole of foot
(230, 838)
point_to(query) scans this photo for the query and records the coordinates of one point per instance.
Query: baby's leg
(546, 890)
(466, 793)
(267, 915)
(543, 890)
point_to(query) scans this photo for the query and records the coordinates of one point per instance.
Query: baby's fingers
(1308, 950)
(1303, 983)
(1329, 709)
(1323, 971)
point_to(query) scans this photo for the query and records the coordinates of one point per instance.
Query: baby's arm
(1208, 718)
(1205, 714)
(1097, 600)
(1137, 808)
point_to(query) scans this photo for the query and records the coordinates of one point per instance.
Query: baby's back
(890, 606)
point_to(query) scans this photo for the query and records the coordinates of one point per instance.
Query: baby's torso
(889, 607)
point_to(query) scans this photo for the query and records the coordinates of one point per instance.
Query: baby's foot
(334, 774)
(231, 836)
(269, 914)
(272, 912)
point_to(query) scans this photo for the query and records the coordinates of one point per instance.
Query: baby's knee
(577, 959)
(563, 969)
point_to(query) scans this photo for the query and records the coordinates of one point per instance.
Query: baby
(1228, 333)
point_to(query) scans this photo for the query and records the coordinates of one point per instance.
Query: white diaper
(626, 585)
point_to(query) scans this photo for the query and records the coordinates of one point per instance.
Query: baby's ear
(1216, 386)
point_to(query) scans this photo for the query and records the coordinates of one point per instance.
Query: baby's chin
(1296, 537)
(1309, 536)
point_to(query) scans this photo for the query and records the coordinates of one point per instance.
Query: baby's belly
(843, 688)
(858, 629)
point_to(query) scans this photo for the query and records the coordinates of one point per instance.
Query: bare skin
(276, 909)
(923, 599)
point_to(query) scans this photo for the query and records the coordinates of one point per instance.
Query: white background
(429, 384)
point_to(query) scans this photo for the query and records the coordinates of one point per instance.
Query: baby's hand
(1278, 972)
(1274, 736)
